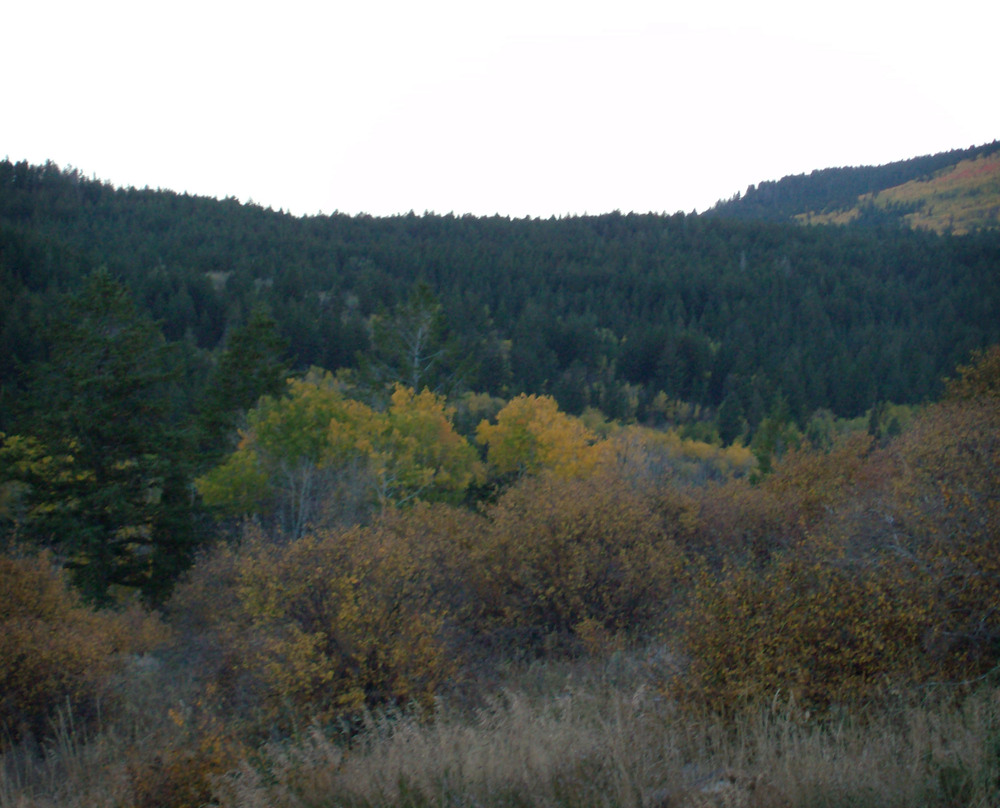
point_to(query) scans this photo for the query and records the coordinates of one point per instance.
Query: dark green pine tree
(116, 504)
(251, 365)
(732, 425)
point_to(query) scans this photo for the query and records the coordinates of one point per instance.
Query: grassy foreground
(594, 733)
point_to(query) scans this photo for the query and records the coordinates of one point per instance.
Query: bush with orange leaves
(55, 651)
(943, 512)
(934, 508)
(885, 572)
(179, 769)
(811, 625)
(338, 620)
(743, 521)
(563, 558)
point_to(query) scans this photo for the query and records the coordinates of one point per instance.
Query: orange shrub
(338, 620)
(54, 650)
(884, 570)
(561, 556)
(944, 511)
(738, 520)
(810, 625)
(980, 379)
(930, 499)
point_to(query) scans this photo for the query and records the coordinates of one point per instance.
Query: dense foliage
(880, 570)
(56, 652)
(606, 311)
(365, 464)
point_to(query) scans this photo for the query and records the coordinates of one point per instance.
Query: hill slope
(829, 194)
(630, 314)
(958, 199)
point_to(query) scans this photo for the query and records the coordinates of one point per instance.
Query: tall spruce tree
(251, 365)
(103, 476)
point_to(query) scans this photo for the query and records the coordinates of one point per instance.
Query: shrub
(564, 555)
(884, 571)
(809, 625)
(182, 772)
(334, 622)
(54, 650)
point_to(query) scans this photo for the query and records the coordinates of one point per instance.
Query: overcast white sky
(521, 107)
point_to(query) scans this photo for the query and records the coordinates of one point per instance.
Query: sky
(522, 108)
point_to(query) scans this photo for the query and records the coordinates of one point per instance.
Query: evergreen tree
(251, 365)
(731, 422)
(103, 478)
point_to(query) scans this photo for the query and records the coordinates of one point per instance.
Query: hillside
(319, 511)
(631, 314)
(830, 195)
(956, 199)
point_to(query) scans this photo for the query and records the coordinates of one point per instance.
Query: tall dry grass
(590, 744)
(574, 734)
(146, 749)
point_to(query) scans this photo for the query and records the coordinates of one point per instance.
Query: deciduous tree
(532, 434)
(307, 456)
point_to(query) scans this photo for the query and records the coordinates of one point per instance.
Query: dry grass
(582, 734)
(590, 744)
(72, 768)
(115, 761)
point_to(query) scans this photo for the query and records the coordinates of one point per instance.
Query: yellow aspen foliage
(314, 455)
(417, 452)
(292, 456)
(531, 434)
(240, 485)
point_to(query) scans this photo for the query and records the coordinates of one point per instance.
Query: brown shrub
(564, 555)
(336, 621)
(740, 520)
(182, 773)
(56, 651)
(808, 626)
(886, 575)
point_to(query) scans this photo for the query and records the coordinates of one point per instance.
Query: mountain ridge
(626, 313)
(955, 200)
(832, 191)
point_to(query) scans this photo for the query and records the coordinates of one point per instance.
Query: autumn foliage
(316, 457)
(531, 434)
(55, 652)
(561, 557)
(882, 573)
(847, 576)
(336, 621)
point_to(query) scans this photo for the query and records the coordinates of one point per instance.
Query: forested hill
(628, 313)
(829, 190)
